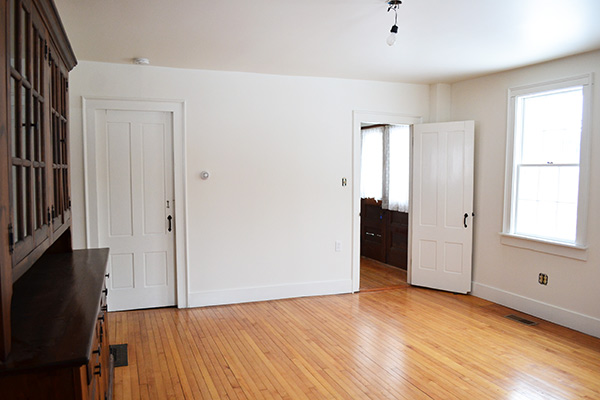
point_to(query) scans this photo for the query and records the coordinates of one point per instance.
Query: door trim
(359, 117)
(92, 105)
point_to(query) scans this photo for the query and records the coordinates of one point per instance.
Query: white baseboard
(262, 293)
(570, 319)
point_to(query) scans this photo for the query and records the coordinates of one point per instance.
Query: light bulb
(392, 38)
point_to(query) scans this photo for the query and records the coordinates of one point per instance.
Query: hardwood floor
(406, 343)
(375, 275)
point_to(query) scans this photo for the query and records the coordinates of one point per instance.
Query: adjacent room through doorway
(384, 205)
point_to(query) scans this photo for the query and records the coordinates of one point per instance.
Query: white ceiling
(438, 40)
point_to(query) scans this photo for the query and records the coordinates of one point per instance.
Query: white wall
(440, 102)
(265, 223)
(505, 274)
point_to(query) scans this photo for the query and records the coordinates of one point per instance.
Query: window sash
(544, 202)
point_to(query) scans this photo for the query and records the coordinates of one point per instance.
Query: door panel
(442, 204)
(122, 271)
(138, 198)
(120, 206)
(428, 189)
(154, 166)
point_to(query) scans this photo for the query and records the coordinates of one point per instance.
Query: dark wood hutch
(53, 332)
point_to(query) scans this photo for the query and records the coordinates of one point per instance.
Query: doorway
(373, 243)
(136, 207)
(440, 230)
(384, 187)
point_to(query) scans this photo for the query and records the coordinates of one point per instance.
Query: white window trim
(577, 250)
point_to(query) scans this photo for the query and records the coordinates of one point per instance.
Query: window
(385, 162)
(547, 163)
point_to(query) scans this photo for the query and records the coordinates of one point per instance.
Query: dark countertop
(54, 311)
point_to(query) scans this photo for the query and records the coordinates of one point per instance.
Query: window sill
(574, 251)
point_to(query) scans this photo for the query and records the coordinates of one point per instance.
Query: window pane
(24, 42)
(14, 129)
(34, 199)
(25, 143)
(371, 174)
(527, 221)
(546, 204)
(24, 203)
(399, 167)
(15, 203)
(13, 33)
(552, 127)
(548, 185)
(528, 179)
(569, 185)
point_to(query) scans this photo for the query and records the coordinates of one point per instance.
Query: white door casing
(442, 206)
(130, 157)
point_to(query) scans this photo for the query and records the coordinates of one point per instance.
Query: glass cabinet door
(27, 139)
(61, 204)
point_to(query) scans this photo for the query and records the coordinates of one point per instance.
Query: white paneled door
(442, 206)
(136, 207)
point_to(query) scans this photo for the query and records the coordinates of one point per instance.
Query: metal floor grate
(119, 352)
(521, 320)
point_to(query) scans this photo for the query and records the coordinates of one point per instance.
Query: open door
(442, 206)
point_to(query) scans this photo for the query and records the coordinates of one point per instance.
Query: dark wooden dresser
(59, 330)
(383, 234)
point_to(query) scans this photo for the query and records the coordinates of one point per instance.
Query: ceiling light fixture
(393, 5)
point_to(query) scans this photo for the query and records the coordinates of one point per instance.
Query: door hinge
(11, 239)
(45, 50)
(49, 215)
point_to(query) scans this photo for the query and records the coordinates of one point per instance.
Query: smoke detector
(141, 61)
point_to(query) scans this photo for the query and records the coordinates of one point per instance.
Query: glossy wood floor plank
(377, 275)
(407, 343)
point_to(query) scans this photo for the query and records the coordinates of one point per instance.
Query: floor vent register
(521, 320)
(119, 353)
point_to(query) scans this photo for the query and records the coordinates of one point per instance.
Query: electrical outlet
(543, 279)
